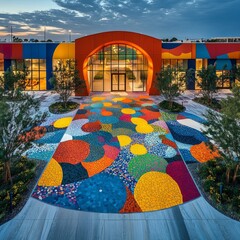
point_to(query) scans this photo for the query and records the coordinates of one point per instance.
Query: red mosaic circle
(73, 151)
(92, 126)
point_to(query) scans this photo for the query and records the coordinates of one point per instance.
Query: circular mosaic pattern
(144, 128)
(101, 193)
(138, 149)
(113, 157)
(52, 175)
(73, 152)
(156, 190)
(98, 99)
(62, 122)
(91, 127)
(107, 104)
(128, 111)
(178, 171)
(138, 121)
(124, 140)
(106, 113)
(146, 163)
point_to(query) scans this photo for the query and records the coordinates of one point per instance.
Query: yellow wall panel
(167, 55)
(64, 51)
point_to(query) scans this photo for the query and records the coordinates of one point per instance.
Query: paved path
(192, 220)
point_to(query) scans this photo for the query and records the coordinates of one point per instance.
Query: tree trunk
(228, 175)
(170, 103)
(7, 172)
(235, 173)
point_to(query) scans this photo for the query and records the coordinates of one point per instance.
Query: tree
(16, 39)
(231, 105)
(170, 82)
(12, 82)
(66, 80)
(234, 74)
(16, 120)
(174, 39)
(208, 82)
(224, 130)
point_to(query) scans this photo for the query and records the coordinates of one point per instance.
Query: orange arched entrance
(149, 46)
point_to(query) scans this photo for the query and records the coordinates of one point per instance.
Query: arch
(145, 54)
(149, 46)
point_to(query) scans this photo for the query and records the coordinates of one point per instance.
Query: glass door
(118, 82)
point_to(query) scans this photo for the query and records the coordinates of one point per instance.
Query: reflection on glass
(117, 61)
(35, 79)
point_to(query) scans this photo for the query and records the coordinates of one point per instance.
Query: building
(117, 61)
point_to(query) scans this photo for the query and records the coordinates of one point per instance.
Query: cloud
(158, 18)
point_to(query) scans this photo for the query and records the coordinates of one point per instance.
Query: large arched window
(117, 67)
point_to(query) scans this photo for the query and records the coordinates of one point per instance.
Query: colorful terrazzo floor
(119, 155)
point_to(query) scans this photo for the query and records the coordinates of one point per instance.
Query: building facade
(117, 61)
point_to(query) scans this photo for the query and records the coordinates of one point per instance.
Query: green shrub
(59, 107)
(212, 174)
(23, 171)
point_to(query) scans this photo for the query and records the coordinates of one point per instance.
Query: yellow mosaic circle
(107, 104)
(124, 140)
(128, 111)
(138, 121)
(53, 174)
(63, 122)
(138, 149)
(145, 128)
(157, 190)
(118, 99)
(98, 99)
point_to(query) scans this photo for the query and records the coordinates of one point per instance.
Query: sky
(64, 20)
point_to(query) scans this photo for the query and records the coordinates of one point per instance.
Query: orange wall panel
(17, 49)
(149, 46)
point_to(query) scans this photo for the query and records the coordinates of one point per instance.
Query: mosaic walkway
(119, 155)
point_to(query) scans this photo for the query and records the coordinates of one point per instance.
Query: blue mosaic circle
(101, 193)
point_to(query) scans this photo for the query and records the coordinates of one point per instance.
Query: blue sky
(158, 18)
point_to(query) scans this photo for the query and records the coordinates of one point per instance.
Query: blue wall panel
(50, 48)
(201, 51)
(42, 51)
(34, 50)
(223, 64)
(170, 45)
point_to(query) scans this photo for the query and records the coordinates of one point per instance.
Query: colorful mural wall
(222, 55)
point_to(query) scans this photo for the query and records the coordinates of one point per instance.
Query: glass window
(36, 77)
(118, 63)
(1, 66)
